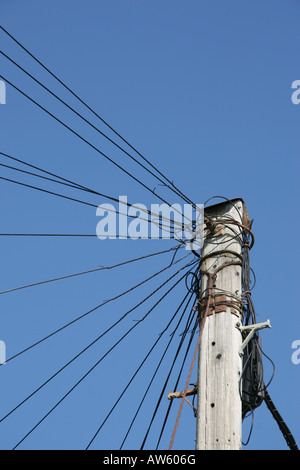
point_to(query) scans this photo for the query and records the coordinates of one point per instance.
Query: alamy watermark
(2, 92)
(296, 94)
(296, 353)
(161, 221)
(2, 352)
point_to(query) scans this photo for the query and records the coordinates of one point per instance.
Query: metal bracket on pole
(252, 329)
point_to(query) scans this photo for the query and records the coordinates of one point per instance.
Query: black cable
(48, 192)
(79, 354)
(96, 114)
(48, 172)
(74, 185)
(192, 315)
(84, 202)
(133, 377)
(172, 336)
(87, 142)
(98, 307)
(254, 391)
(57, 194)
(48, 235)
(251, 429)
(194, 289)
(281, 424)
(85, 235)
(178, 379)
(89, 123)
(98, 362)
(102, 268)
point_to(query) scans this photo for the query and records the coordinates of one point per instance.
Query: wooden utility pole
(219, 408)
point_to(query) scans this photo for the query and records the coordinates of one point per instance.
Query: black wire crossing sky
(118, 326)
(176, 278)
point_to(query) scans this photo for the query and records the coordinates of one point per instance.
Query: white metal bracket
(252, 329)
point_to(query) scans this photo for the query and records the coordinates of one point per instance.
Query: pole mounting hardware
(252, 330)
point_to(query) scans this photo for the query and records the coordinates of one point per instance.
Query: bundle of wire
(252, 386)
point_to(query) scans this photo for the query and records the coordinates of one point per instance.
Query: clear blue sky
(203, 89)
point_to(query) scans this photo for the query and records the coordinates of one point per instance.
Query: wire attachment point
(252, 329)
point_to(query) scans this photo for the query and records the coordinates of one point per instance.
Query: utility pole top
(214, 208)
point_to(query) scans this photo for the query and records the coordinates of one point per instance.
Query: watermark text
(2, 92)
(161, 221)
(296, 353)
(296, 94)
